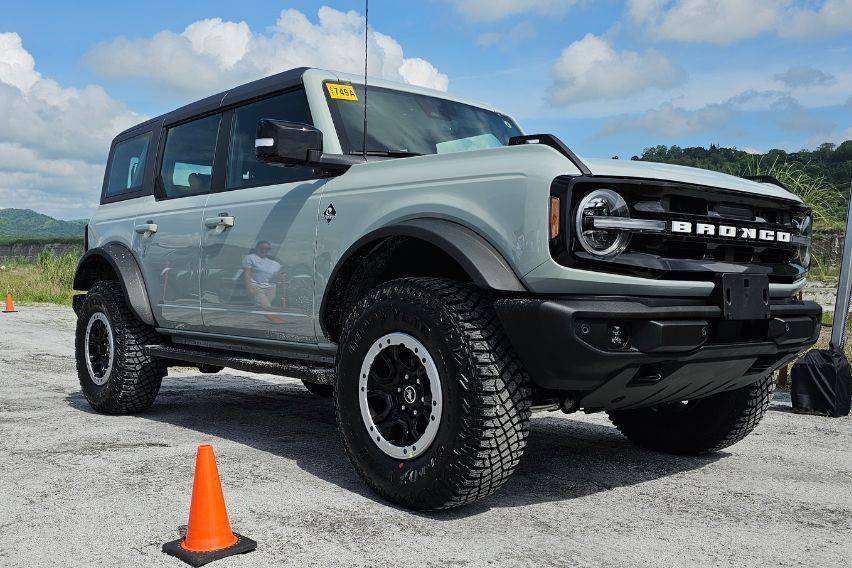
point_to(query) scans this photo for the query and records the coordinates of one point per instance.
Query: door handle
(146, 228)
(220, 221)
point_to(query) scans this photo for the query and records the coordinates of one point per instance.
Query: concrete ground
(82, 489)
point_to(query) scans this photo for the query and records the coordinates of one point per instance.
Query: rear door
(167, 238)
(260, 234)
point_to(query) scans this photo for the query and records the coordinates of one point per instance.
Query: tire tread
(496, 397)
(136, 376)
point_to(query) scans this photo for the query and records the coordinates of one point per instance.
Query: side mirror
(287, 143)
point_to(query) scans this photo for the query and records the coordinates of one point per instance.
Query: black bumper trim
(667, 359)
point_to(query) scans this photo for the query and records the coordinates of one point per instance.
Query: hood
(683, 174)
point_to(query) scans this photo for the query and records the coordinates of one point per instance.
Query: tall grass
(828, 204)
(48, 279)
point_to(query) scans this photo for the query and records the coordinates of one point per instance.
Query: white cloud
(517, 33)
(493, 10)
(213, 54)
(53, 139)
(831, 17)
(591, 69)
(728, 21)
(677, 121)
(227, 42)
(805, 75)
(17, 66)
(713, 21)
(671, 121)
(488, 39)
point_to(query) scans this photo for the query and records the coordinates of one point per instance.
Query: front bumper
(630, 352)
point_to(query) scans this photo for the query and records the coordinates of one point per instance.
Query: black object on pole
(822, 380)
(821, 383)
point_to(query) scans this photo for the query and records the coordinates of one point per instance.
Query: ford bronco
(441, 276)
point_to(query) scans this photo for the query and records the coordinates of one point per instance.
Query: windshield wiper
(388, 153)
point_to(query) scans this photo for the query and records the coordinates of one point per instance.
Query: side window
(128, 165)
(187, 167)
(244, 170)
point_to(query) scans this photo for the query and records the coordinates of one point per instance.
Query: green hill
(821, 177)
(829, 161)
(27, 225)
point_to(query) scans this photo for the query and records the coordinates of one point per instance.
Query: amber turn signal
(554, 217)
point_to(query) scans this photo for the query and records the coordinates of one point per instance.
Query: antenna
(366, 42)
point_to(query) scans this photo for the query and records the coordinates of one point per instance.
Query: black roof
(247, 91)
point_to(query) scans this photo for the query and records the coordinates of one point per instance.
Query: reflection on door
(257, 275)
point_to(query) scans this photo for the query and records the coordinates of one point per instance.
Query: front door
(260, 236)
(167, 239)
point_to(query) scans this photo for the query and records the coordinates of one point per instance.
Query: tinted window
(128, 165)
(187, 167)
(244, 170)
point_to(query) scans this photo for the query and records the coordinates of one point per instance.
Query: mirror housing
(287, 143)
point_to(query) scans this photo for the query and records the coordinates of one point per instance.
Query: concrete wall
(31, 251)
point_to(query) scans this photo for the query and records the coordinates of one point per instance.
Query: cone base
(174, 548)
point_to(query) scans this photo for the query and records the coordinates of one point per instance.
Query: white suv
(441, 283)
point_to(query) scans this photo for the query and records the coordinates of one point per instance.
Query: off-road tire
(486, 394)
(701, 426)
(322, 391)
(134, 381)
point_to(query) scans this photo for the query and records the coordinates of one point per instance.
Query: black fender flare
(483, 263)
(487, 268)
(126, 268)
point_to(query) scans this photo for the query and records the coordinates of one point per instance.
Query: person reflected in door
(262, 275)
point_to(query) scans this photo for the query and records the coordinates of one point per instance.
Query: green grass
(828, 204)
(48, 279)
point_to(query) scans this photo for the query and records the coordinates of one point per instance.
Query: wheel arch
(452, 249)
(115, 261)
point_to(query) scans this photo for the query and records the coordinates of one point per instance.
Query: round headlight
(805, 230)
(601, 242)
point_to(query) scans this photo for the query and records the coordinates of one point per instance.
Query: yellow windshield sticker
(342, 92)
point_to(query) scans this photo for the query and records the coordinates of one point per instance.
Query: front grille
(665, 246)
(675, 204)
(689, 256)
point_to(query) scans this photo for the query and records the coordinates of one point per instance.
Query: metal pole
(844, 286)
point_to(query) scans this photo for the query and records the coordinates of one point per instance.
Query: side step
(307, 371)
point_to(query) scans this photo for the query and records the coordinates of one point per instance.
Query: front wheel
(432, 402)
(116, 375)
(697, 426)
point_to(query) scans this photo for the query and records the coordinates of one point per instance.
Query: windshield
(408, 124)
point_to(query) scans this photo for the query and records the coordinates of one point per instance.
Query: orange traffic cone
(209, 536)
(10, 304)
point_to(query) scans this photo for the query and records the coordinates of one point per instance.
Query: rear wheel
(116, 375)
(697, 426)
(432, 402)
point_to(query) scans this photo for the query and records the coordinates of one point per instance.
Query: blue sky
(609, 77)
